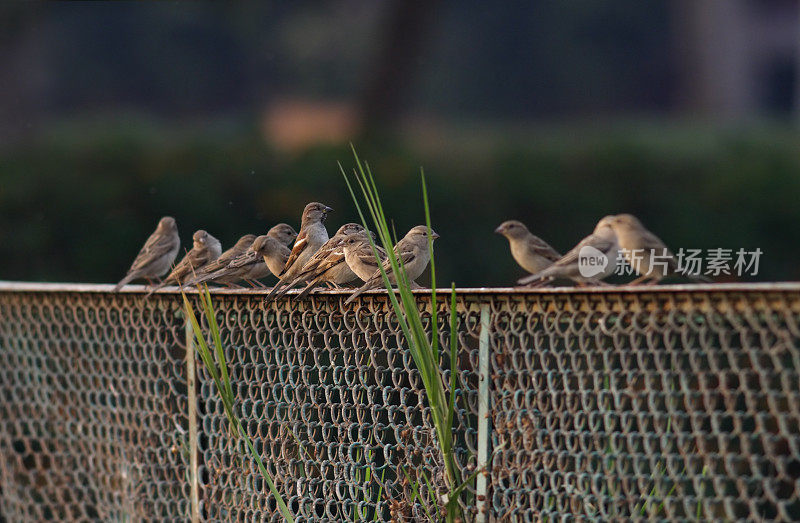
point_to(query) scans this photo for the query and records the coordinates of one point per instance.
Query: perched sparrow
(413, 255)
(157, 255)
(360, 258)
(275, 256)
(531, 252)
(205, 249)
(328, 265)
(602, 239)
(203, 274)
(265, 255)
(312, 236)
(644, 251)
(283, 233)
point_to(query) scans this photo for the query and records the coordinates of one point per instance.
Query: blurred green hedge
(77, 205)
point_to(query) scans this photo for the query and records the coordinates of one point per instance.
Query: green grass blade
(416, 495)
(424, 350)
(265, 473)
(434, 312)
(202, 347)
(211, 318)
(380, 493)
(432, 495)
(225, 390)
(453, 355)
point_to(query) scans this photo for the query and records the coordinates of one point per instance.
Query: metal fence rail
(672, 402)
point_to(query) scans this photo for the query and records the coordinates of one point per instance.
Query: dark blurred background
(231, 117)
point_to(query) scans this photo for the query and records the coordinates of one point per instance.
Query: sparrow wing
(313, 266)
(367, 257)
(542, 248)
(156, 246)
(246, 258)
(335, 257)
(299, 246)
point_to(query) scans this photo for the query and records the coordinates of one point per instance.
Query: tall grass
(217, 367)
(424, 351)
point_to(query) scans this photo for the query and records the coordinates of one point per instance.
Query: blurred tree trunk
(391, 75)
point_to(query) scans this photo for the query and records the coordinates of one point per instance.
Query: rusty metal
(668, 402)
(93, 413)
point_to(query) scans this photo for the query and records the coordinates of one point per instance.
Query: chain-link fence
(650, 403)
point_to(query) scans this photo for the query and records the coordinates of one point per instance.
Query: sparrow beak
(499, 230)
(328, 209)
(435, 235)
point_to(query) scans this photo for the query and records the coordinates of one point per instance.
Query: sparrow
(531, 252)
(265, 255)
(157, 254)
(602, 239)
(283, 233)
(413, 255)
(312, 236)
(203, 274)
(360, 257)
(328, 265)
(638, 245)
(205, 249)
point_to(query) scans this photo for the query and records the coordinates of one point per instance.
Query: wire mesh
(92, 408)
(616, 404)
(653, 405)
(335, 405)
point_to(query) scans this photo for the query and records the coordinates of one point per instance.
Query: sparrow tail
(310, 287)
(273, 294)
(357, 293)
(124, 281)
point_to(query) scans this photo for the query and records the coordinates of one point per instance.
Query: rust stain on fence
(675, 402)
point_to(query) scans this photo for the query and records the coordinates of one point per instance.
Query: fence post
(483, 416)
(191, 377)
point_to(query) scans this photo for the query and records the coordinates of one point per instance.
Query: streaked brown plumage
(311, 237)
(265, 255)
(203, 275)
(531, 252)
(413, 254)
(157, 254)
(602, 238)
(205, 249)
(328, 265)
(360, 257)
